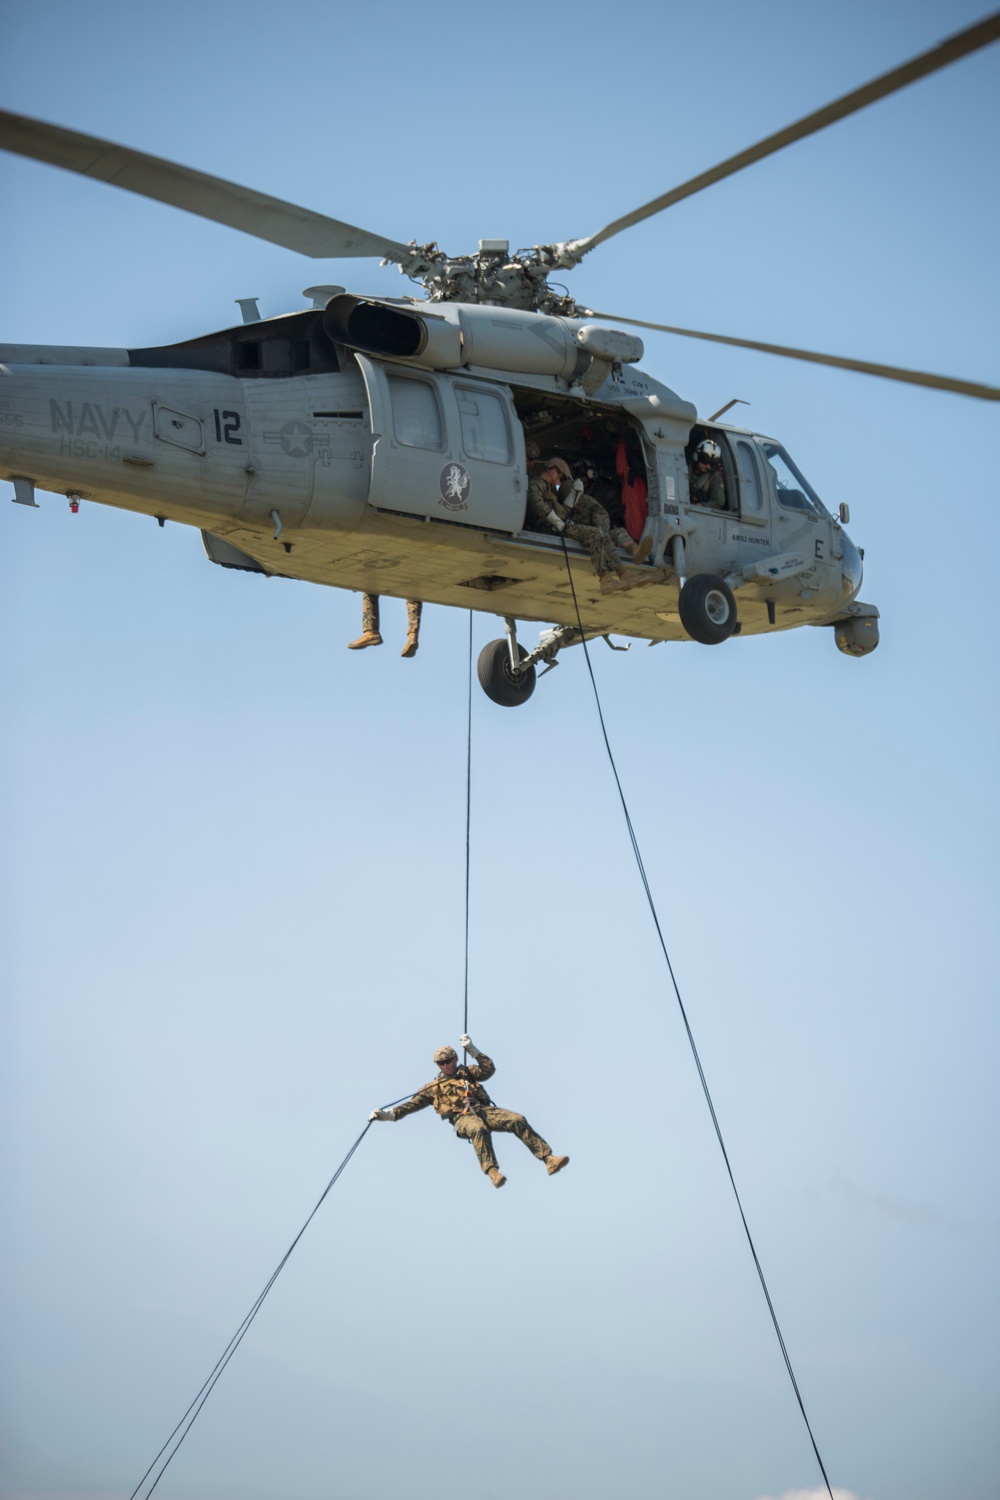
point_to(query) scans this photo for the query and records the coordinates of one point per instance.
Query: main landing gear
(707, 609)
(706, 604)
(507, 672)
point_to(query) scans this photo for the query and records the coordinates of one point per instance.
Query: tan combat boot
(496, 1177)
(611, 583)
(370, 638)
(554, 1164)
(642, 550)
(632, 579)
(410, 649)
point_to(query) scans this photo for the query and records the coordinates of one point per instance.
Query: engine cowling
(491, 338)
(394, 332)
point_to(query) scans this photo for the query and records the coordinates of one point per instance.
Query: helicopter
(384, 444)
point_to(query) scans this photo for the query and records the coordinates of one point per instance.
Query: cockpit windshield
(793, 489)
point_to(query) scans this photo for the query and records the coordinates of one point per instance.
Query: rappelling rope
(468, 826)
(188, 1419)
(687, 1027)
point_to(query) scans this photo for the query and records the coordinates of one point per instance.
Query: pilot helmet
(445, 1054)
(707, 452)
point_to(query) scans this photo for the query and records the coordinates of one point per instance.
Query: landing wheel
(707, 609)
(498, 681)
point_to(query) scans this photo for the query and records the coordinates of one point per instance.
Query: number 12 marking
(227, 425)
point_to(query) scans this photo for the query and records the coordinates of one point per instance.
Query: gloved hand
(577, 487)
(466, 1042)
(555, 520)
(382, 1114)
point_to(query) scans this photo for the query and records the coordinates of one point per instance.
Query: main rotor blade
(940, 56)
(885, 372)
(211, 197)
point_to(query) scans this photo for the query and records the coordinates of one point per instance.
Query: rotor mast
(492, 276)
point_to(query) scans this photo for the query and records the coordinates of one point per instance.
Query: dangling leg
(598, 544)
(607, 564)
(472, 1128)
(602, 554)
(413, 612)
(506, 1119)
(637, 551)
(369, 624)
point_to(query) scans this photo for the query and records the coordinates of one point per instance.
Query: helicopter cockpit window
(485, 433)
(793, 490)
(416, 416)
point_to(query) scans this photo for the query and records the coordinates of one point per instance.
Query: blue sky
(232, 912)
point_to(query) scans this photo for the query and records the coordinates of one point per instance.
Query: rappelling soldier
(708, 486)
(370, 634)
(458, 1095)
(557, 503)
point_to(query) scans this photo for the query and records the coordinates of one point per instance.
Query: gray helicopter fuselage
(406, 473)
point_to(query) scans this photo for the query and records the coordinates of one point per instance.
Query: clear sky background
(233, 892)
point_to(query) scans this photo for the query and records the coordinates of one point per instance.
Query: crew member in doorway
(708, 487)
(581, 495)
(458, 1095)
(369, 625)
(555, 504)
(602, 489)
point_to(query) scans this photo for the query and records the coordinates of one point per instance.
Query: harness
(467, 1108)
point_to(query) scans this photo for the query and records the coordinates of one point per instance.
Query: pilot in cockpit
(708, 485)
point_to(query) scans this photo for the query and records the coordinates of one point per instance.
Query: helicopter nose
(852, 566)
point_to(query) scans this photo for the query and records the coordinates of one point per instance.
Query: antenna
(736, 401)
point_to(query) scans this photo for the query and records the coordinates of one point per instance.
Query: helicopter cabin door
(445, 448)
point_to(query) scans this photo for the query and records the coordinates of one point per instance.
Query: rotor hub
(492, 276)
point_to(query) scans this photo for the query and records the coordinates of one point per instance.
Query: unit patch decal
(455, 487)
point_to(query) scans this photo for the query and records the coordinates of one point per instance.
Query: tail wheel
(707, 609)
(498, 681)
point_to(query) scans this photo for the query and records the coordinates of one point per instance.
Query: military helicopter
(384, 444)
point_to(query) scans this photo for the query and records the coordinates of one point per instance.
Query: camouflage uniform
(709, 488)
(619, 535)
(590, 525)
(464, 1103)
(542, 498)
(369, 614)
